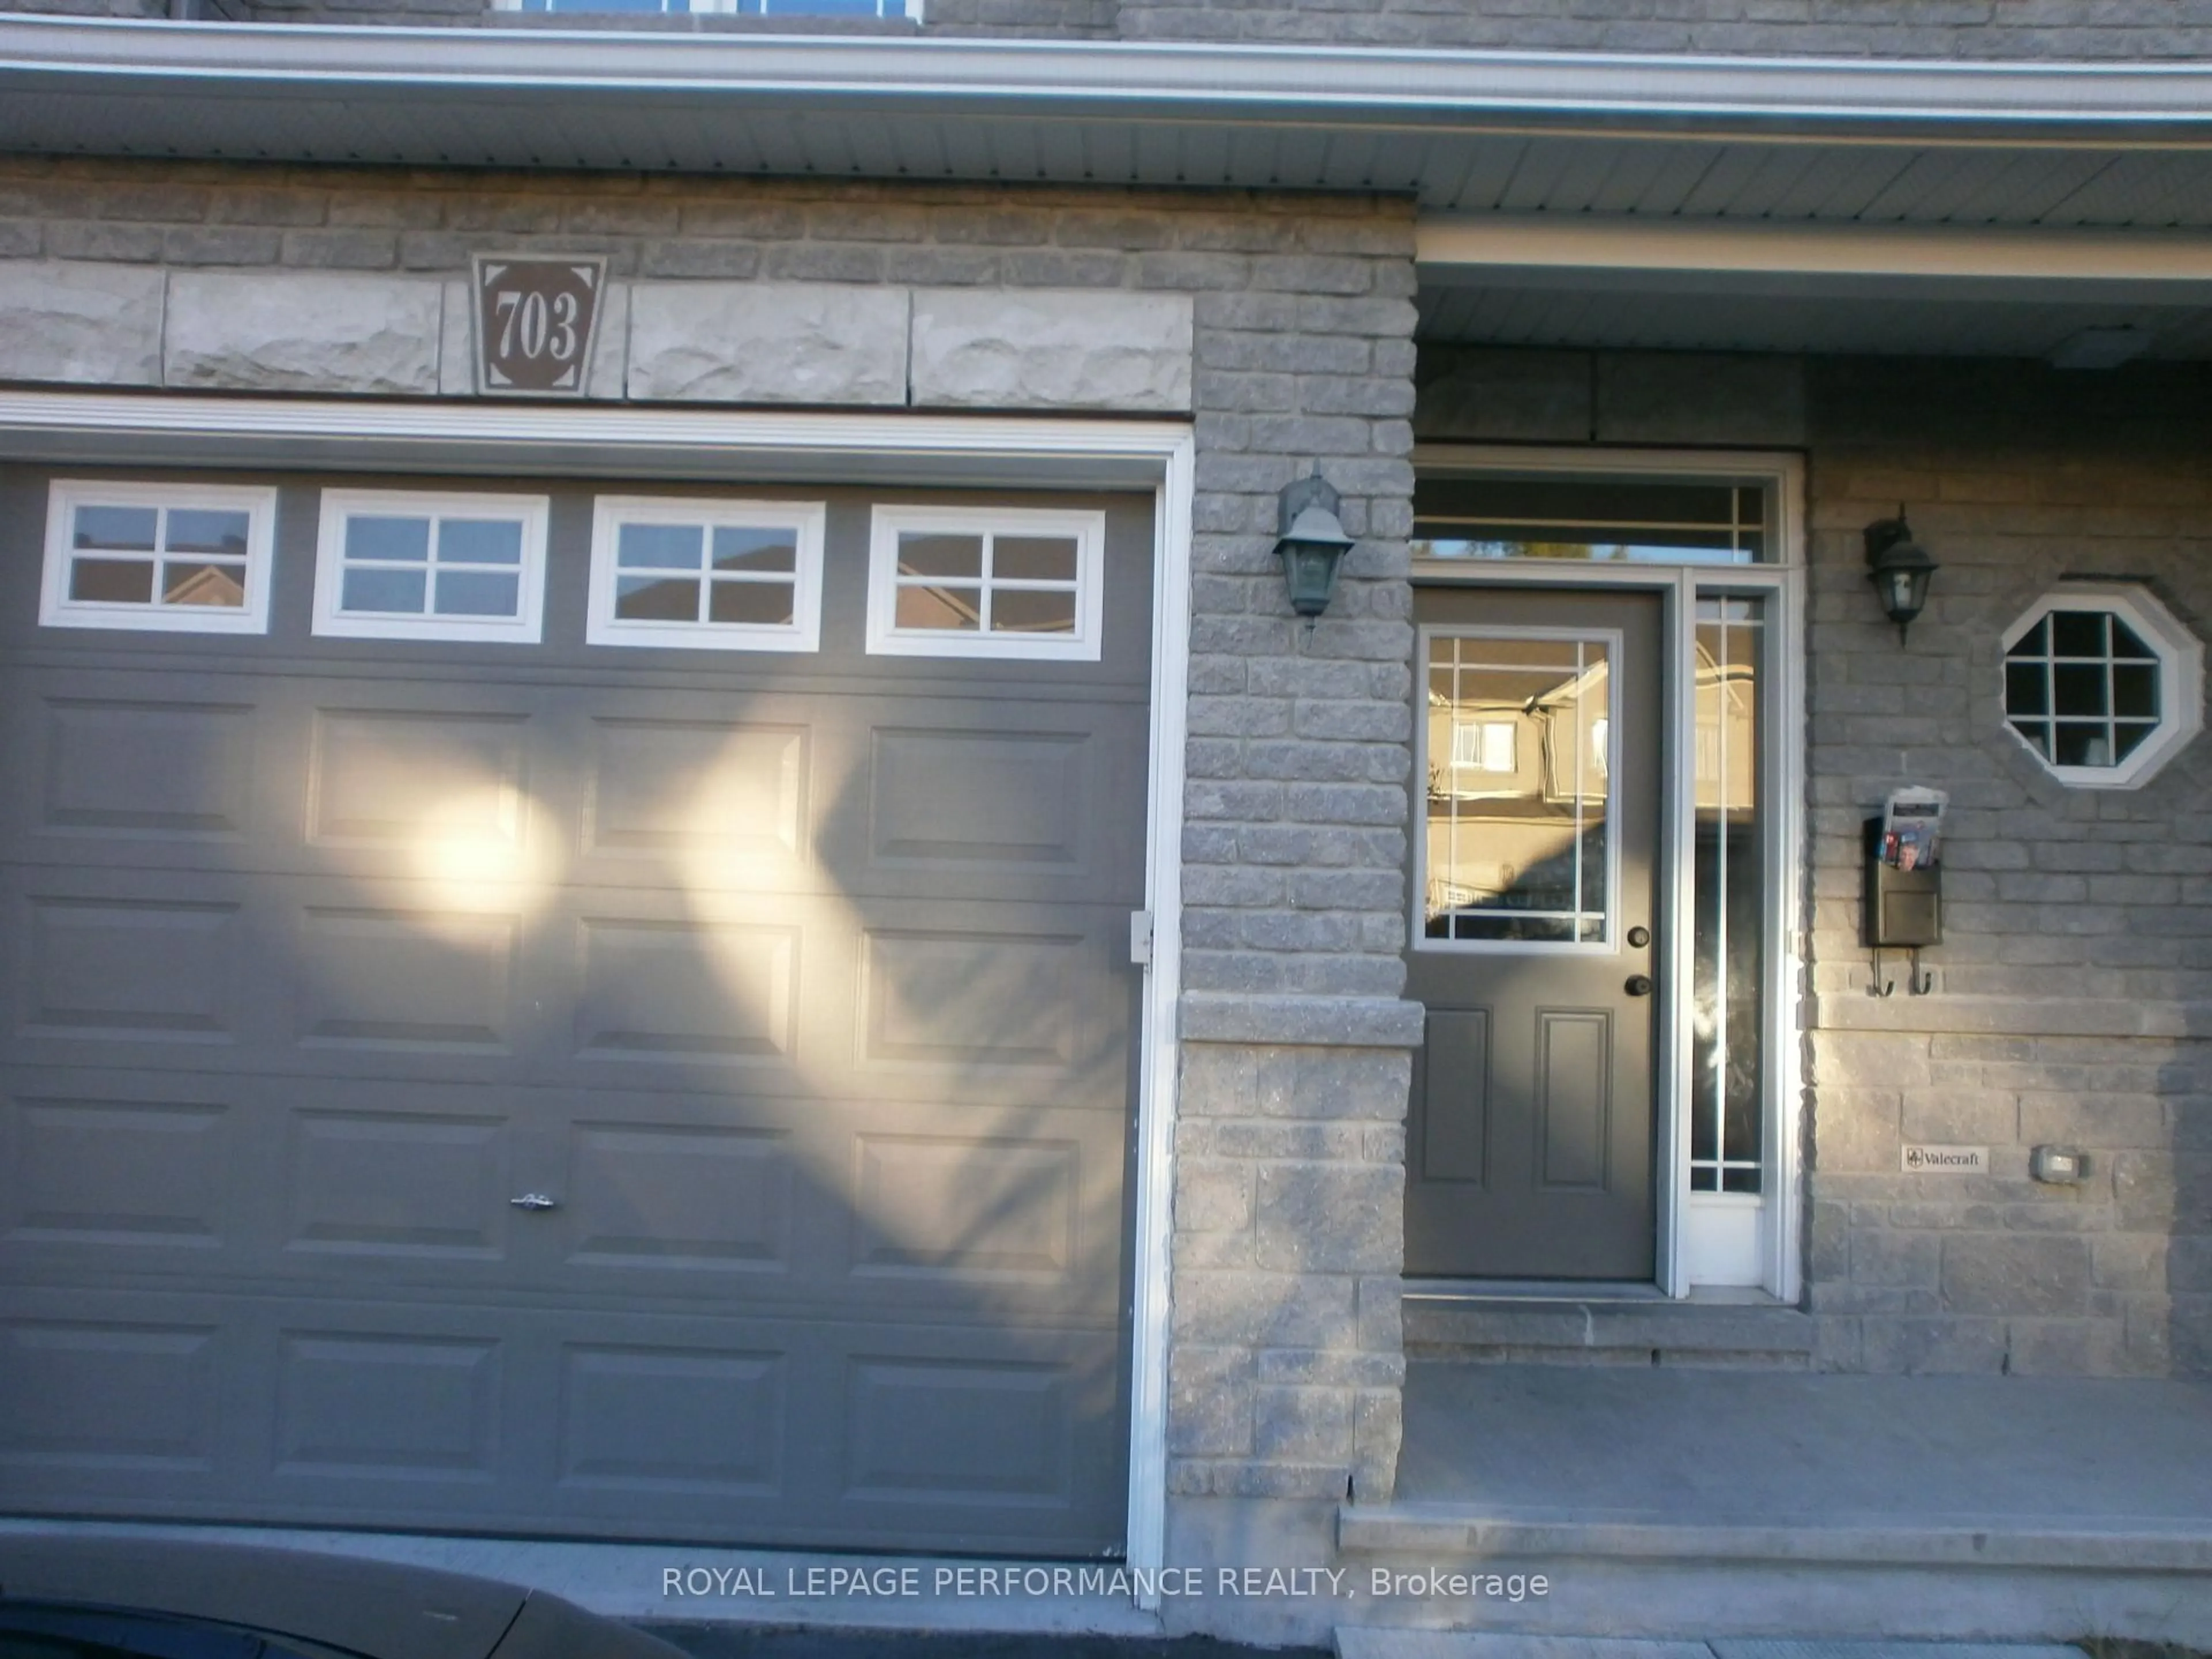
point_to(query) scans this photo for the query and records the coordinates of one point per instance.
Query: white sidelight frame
(567, 441)
(1695, 1230)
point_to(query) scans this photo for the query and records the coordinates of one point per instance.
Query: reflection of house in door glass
(1515, 832)
(1728, 906)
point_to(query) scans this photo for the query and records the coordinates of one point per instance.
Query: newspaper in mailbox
(1912, 827)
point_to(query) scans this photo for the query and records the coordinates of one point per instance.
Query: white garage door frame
(109, 428)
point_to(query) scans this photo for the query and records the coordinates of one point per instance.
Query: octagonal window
(2103, 683)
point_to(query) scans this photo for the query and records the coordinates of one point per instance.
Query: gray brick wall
(1285, 1205)
(2076, 970)
(1286, 1360)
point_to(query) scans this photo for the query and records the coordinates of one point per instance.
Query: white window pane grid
(1499, 855)
(706, 574)
(2084, 688)
(464, 567)
(691, 568)
(398, 565)
(2102, 683)
(192, 556)
(172, 557)
(1734, 527)
(980, 604)
(954, 582)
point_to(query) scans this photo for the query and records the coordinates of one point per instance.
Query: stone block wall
(2075, 981)
(1287, 1359)
(1293, 319)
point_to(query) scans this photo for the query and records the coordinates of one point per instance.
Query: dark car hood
(379, 1609)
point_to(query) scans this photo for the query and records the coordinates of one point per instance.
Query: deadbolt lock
(1640, 937)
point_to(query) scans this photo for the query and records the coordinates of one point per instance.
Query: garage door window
(180, 558)
(969, 582)
(706, 575)
(405, 566)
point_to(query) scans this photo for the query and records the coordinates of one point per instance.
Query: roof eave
(1332, 87)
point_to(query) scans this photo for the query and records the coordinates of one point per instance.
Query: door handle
(535, 1202)
(1639, 985)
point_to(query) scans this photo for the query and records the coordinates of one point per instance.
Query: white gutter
(1323, 86)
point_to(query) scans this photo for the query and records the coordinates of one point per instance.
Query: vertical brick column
(1289, 1230)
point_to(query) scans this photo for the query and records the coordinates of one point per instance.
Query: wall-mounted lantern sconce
(1898, 568)
(1312, 544)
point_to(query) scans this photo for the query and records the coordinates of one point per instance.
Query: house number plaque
(534, 318)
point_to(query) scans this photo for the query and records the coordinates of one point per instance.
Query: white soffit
(2175, 265)
(1678, 285)
(1845, 141)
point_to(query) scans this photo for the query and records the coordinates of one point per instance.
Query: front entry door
(1533, 948)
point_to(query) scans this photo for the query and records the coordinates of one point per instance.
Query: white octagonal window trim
(2102, 684)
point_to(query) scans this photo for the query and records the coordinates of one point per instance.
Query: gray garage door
(798, 981)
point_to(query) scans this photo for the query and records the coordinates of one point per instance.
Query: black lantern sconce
(1898, 568)
(1312, 544)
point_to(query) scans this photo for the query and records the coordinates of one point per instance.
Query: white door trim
(169, 429)
(1156, 1098)
(1780, 1224)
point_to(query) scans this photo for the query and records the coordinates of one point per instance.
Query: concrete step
(1356, 1642)
(1535, 1329)
(1860, 1581)
(1428, 1532)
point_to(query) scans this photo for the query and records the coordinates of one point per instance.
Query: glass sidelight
(1728, 900)
(1517, 845)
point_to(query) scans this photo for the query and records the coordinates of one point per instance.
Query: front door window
(1520, 760)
